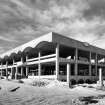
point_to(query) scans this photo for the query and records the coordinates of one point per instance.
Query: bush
(20, 81)
(1, 77)
(88, 81)
(90, 86)
(88, 100)
(39, 83)
(81, 81)
(73, 82)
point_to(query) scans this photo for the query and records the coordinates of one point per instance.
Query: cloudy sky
(24, 20)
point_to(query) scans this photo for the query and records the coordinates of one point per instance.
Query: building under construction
(54, 56)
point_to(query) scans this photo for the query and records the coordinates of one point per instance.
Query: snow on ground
(55, 93)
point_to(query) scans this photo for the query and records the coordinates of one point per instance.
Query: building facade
(54, 56)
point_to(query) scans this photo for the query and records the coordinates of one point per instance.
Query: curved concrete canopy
(54, 38)
(32, 44)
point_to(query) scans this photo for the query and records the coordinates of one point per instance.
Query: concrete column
(76, 62)
(6, 69)
(57, 61)
(1, 70)
(68, 73)
(22, 59)
(6, 73)
(100, 77)
(22, 72)
(16, 73)
(13, 61)
(11, 73)
(39, 65)
(1, 73)
(96, 65)
(90, 64)
(90, 74)
(27, 70)
(26, 57)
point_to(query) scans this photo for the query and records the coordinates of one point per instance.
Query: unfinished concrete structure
(54, 56)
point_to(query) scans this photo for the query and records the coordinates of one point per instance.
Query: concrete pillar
(11, 73)
(22, 59)
(6, 69)
(57, 61)
(100, 77)
(90, 74)
(39, 69)
(27, 70)
(90, 64)
(16, 73)
(76, 62)
(13, 61)
(6, 73)
(96, 65)
(1, 73)
(1, 70)
(26, 57)
(68, 73)
(22, 72)
(39, 65)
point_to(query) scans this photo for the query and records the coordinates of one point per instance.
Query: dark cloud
(97, 9)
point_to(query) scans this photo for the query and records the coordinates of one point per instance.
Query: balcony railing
(41, 58)
(65, 60)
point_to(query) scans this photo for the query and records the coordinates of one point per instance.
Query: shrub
(88, 81)
(20, 81)
(39, 83)
(1, 77)
(73, 82)
(81, 81)
(90, 87)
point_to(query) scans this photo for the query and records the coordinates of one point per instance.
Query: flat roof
(56, 38)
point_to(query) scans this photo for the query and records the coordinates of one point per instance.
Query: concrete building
(54, 56)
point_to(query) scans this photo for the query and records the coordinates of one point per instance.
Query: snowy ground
(53, 94)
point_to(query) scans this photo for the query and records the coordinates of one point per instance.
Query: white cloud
(100, 43)
(24, 21)
(8, 38)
